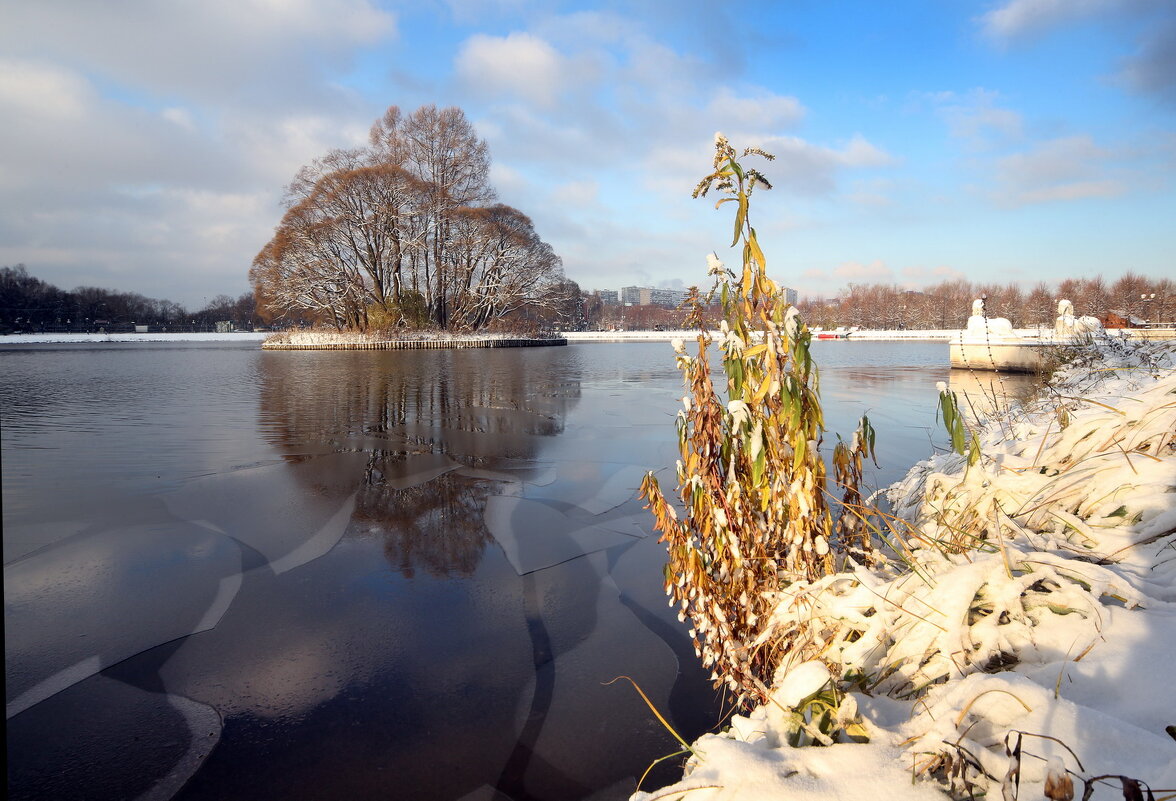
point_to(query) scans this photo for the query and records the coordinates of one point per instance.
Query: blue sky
(146, 142)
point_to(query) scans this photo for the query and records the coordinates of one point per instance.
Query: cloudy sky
(145, 143)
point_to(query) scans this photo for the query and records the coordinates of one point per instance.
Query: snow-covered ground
(52, 339)
(1027, 630)
(324, 337)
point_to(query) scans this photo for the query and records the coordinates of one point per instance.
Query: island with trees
(404, 239)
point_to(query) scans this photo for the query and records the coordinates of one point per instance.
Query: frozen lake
(231, 573)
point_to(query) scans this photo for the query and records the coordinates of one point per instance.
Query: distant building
(651, 296)
(631, 295)
(790, 295)
(667, 298)
(609, 297)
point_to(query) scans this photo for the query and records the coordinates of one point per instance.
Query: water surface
(232, 573)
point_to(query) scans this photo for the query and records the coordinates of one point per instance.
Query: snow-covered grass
(323, 336)
(1028, 627)
(52, 339)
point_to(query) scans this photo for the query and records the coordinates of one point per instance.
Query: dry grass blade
(655, 711)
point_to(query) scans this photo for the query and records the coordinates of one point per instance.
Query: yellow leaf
(740, 216)
(762, 392)
(756, 252)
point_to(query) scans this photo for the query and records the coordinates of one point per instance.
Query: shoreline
(566, 337)
(421, 344)
(88, 339)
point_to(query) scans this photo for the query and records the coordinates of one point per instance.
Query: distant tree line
(944, 305)
(28, 304)
(406, 232)
(948, 304)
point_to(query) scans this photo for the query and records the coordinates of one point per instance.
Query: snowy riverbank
(420, 340)
(1033, 606)
(864, 334)
(81, 339)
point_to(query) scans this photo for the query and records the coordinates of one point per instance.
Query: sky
(145, 144)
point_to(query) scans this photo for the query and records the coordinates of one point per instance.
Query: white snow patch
(1036, 600)
(59, 339)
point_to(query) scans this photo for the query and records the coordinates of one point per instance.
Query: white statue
(987, 327)
(1069, 326)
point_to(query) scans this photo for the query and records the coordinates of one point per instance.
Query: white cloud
(876, 193)
(861, 153)
(1021, 18)
(801, 167)
(42, 90)
(1070, 168)
(614, 125)
(922, 276)
(519, 65)
(1074, 190)
(1147, 28)
(267, 50)
(875, 271)
(809, 169)
(577, 193)
(760, 110)
(272, 148)
(105, 194)
(977, 119)
(62, 136)
(1152, 69)
(179, 116)
(470, 12)
(147, 143)
(1055, 161)
(508, 181)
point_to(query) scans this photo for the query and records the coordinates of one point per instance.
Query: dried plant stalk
(751, 479)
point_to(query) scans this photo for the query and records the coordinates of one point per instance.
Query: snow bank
(54, 339)
(330, 337)
(1026, 621)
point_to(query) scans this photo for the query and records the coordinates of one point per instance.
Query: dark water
(239, 574)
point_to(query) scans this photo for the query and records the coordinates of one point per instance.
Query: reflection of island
(436, 525)
(435, 433)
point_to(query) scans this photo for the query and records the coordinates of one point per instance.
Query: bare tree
(443, 151)
(1040, 307)
(405, 220)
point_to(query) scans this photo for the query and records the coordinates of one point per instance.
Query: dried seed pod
(1058, 785)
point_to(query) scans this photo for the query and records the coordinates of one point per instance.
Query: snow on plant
(1019, 556)
(751, 479)
(1041, 561)
(1024, 550)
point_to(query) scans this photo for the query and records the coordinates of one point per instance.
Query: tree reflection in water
(441, 431)
(285, 558)
(435, 526)
(454, 449)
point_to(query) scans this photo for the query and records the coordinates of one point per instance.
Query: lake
(235, 574)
